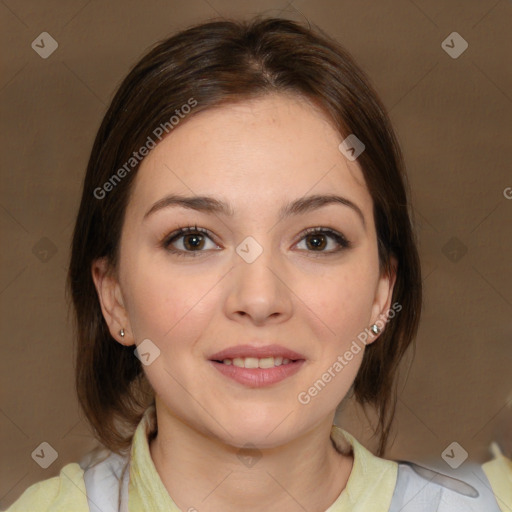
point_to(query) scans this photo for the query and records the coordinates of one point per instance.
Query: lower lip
(258, 377)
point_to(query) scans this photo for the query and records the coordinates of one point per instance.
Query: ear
(383, 296)
(111, 301)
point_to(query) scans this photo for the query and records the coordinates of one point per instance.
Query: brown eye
(317, 239)
(191, 239)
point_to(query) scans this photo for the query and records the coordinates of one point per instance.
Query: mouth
(257, 367)
(259, 352)
(255, 362)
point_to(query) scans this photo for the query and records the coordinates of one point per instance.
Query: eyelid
(333, 233)
(340, 238)
(182, 231)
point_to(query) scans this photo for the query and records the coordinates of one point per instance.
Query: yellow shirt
(499, 473)
(369, 488)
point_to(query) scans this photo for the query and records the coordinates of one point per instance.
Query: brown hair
(214, 63)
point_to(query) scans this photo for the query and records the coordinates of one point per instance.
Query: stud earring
(121, 333)
(375, 329)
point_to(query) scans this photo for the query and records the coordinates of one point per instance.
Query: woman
(242, 260)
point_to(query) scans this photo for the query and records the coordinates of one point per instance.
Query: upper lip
(260, 352)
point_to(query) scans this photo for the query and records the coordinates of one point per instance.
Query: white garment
(418, 489)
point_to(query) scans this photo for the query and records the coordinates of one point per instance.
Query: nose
(260, 291)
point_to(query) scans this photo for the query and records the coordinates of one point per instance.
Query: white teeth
(254, 362)
(266, 362)
(251, 362)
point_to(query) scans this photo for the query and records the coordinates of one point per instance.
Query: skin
(257, 156)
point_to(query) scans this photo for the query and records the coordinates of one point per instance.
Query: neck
(200, 472)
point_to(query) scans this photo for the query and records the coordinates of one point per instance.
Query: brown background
(453, 118)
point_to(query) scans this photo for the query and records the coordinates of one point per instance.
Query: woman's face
(255, 278)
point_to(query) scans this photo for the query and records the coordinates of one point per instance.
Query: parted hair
(216, 63)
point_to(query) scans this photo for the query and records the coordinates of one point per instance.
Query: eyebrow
(208, 204)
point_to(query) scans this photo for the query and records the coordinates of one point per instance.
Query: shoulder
(499, 474)
(62, 493)
(468, 487)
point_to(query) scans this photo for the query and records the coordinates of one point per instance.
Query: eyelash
(180, 232)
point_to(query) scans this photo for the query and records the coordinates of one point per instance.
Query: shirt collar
(372, 480)
(370, 485)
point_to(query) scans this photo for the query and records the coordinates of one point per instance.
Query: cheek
(166, 305)
(172, 310)
(340, 301)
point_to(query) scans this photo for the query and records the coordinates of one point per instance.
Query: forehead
(259, 152)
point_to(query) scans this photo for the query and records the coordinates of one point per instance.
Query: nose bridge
(257, 262)
(259, 289)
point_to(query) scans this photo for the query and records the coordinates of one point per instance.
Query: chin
(267, 432)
